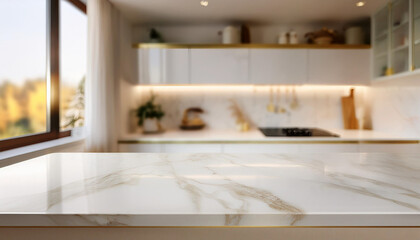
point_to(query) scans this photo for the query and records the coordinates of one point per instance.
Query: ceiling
(250, 11)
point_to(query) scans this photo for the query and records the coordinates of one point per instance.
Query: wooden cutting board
(349, 111)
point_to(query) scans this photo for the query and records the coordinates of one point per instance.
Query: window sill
(77, 137)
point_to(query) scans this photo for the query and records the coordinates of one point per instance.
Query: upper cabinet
(278, 66)
(174, 67)
(416, 34)
(163, 66)
(219, 66)
(338, 67)
(253, 64)
(400, 57)
(381, 66)
(396, 39)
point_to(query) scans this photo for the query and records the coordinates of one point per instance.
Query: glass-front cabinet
(381, 42)
(396, 38)
(400, 36)
(416, 34)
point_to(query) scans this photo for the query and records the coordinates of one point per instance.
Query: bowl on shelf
(323, 40)
(323, 36)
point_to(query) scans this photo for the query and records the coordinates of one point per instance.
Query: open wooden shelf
(251, 45)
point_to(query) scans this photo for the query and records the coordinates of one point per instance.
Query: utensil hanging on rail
(295, 103)
(270, 106)
(280, 108)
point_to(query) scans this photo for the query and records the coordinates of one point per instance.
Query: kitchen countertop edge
(256, 137)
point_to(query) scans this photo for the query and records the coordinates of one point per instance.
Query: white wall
(126, 72)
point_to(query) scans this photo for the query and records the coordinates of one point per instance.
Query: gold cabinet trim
(272, 142)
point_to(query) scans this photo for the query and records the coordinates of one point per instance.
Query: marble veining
(395, 108)
(139, 189)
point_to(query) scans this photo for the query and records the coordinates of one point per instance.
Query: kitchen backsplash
(318, 106)
(396, 108)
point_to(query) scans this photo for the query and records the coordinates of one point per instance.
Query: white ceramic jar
(231, 35)
(283, 38)
(354, 35)
(293, 37)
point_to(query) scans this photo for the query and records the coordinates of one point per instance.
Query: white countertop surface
(254, 135)
(138, 189)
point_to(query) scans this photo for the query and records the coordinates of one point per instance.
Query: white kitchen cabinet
(170, 148)
(141, 147)
(192, 148)
(278, 66)
(390, 148)
(396, 40)
(191, 65)
(273, 148)
(329, 148)
(163, 66)
(339, 66)
(175, 66)
(219, 66)
(147, 58)
(260, 148)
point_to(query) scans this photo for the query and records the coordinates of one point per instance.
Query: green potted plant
(149, 115)
(155, 36)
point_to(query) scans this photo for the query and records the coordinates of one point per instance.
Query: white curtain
(101, 84)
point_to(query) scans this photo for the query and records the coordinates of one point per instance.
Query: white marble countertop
(138, 189)
(254, 135)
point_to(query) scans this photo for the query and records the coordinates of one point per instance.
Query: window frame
(53, 81)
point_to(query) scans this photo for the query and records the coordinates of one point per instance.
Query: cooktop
(296, 132)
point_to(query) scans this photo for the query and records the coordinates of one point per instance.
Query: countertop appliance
(296, 132)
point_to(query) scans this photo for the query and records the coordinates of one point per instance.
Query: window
(23, 58)
(73, 51)
(31, 99)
